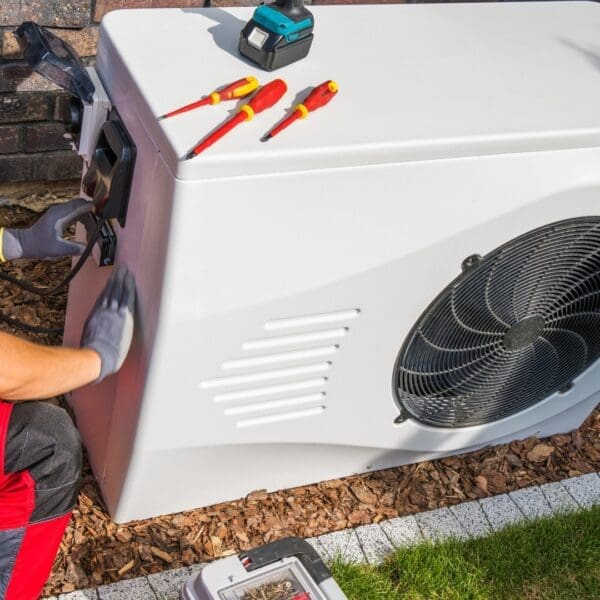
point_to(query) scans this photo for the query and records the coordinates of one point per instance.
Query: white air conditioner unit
(412, 272)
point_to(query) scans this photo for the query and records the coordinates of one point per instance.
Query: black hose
(30, 328)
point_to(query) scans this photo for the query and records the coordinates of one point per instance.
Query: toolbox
(288, 569)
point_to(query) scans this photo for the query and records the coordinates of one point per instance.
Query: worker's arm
(31, 371)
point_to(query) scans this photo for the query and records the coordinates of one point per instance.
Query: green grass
(556, 558)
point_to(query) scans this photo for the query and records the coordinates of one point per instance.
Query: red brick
(15, 167)
(45, 136)
(15, 108)
(56, 166)
(105, 6)
(176, 3)
(226, 3)
(10, 12)
(83, 42)
(54, 13)
(10, 139)
(322, 2)
(19, 77)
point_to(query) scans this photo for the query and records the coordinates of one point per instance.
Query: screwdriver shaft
(186, 108)
(216, 135)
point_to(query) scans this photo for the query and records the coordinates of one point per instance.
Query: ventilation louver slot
(518, 326)
(284, 375)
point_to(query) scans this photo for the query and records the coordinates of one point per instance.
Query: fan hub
(523, 333)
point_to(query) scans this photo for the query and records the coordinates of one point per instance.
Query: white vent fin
(271, 390)
(291, 340)
(265, 376)
(312, 320)
(274, 404)
(283, 357)
(309, 412)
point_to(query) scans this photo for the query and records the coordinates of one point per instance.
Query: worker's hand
(109, 328)
(44, 239)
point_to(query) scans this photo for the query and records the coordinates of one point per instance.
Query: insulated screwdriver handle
(237, 89)
(319, 97)
(266, 97)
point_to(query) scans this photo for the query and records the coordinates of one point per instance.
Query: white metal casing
(277, 282)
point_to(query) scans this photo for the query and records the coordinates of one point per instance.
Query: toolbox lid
(416, 82)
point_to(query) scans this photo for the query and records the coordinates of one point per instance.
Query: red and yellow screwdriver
(238, 89)
(266, 97)
(320, 96)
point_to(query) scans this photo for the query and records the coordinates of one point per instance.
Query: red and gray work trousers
(40, 467)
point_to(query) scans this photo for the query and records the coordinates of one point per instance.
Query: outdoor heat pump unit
(412, 272)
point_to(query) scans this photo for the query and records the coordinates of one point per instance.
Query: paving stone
(501, 511)
(375, 544)
(131, 589)
(402, 531)
(197, 567)
(78, 595)
(440, 524)
(166, 585)
(532, 502)
(585, 489)
(472, 518)
(343, 544)
(316, 544)
(558, 498)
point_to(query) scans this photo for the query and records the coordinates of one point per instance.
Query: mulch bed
(96, 551)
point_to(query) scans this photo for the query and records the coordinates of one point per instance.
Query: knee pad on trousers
(43, 440)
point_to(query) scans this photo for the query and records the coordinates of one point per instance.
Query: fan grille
(518, 326)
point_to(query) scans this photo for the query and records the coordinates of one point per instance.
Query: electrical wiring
(29, 328)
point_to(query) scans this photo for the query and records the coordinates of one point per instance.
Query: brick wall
(32, 110)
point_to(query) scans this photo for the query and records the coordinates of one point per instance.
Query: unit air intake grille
(282, 375)
(517, 326)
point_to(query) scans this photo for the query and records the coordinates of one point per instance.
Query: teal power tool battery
(278, 34)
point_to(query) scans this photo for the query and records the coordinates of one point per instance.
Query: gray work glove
(44, 239)
(109, 328)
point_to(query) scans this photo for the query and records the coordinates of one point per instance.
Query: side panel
(264, 356)
(107, 413)
(286, 301)
(294, 279)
